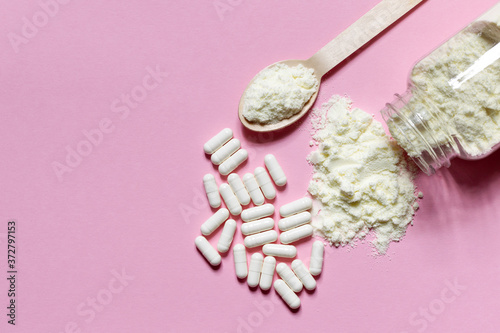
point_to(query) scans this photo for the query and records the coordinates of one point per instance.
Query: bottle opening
(420, 131)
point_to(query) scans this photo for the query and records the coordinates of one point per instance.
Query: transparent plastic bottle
(452, 105)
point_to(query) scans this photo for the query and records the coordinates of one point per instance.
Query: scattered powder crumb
(279, 92)
(361, 179)
(420, 195)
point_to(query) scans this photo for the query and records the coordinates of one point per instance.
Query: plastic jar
(452, 105)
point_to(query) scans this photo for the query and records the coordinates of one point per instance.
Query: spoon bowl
(257, 127)
(333, 53)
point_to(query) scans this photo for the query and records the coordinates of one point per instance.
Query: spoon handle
(359, 33)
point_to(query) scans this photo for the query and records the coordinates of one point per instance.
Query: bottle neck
(415, 122)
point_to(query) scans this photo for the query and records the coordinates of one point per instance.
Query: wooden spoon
(358, 34)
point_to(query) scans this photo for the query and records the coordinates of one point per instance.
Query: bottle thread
(410, 125)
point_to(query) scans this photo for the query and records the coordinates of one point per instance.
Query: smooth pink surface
(136, 202)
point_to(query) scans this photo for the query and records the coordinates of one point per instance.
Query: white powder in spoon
(361, 180)
(279, 92)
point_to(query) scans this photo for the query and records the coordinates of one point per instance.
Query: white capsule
(240, 261)
(275, 170)
(261, 238)
(289, 277)
(265, 183)
(280, 250)
(214, 221)
(233, 162)
(296, 206)
(287, 294)
(293, 221)
(258, 212)
(303, 274)
(296, 234)
(316, 263)
(230, 199)
(238, 188)
(208, 251)
(212, 190)
(254, 269)
(253, 189)
(218, 140)
(257, 226)
(225, 151)
(266, 278)
(226, 238)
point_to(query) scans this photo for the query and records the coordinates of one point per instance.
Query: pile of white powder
(361, 179)
(279, 92)
(467, 100)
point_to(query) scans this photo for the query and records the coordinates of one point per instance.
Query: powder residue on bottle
(278, 93)
(466, 102)
(361, 179)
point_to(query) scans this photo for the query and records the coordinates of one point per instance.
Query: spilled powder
(361, 179)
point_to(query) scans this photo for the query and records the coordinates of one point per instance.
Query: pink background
(136, 202)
